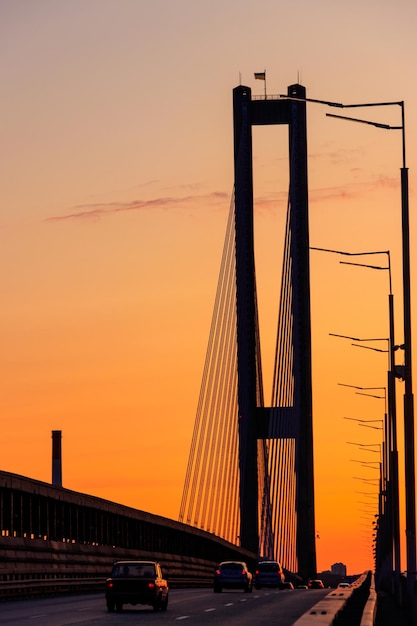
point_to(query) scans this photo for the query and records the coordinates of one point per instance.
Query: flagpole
(265, 84)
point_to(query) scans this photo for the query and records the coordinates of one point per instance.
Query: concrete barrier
(336, 608)
(369, 612)
(325, 612)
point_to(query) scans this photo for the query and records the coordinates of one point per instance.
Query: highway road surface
(186, 606)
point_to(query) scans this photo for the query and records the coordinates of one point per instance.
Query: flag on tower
(260, 75)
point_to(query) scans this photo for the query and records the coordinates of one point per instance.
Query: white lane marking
(243, 600)
(183, 617)
(38, 616)
(208, 610)
(229, 604)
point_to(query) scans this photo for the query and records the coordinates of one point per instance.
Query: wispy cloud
(101, 210)
(353, 190)
(324, 194)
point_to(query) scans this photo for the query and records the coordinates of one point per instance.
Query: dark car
(232, 575)
(136, 582)
(315, 584)
(268, 574)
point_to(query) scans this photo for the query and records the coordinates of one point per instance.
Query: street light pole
(409, 444)
(392, 450)
(386, 544)
(410, 505)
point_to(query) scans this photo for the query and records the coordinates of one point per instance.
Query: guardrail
(35, 587)
(32, 567)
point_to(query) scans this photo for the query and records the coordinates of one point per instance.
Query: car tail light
(218, 572)
(243, 572)
(109, 584)
(257, 572)
(151, 585)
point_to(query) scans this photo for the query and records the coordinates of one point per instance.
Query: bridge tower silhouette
(250, 472)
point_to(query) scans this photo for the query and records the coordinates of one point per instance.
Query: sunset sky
(116, 179)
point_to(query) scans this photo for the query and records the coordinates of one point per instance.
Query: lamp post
(383, 545)
(391, 435)
(366, 463)
(388, 548)
(386, 443)
(368, 494)
(366, 423)
(409, 445)
(360, 339)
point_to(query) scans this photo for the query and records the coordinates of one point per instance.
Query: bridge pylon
(290, 417)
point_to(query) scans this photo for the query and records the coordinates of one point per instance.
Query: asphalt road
(192, 606)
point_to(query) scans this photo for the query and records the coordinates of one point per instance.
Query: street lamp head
(365, 422)
(387, 252)
(374, 427)
(355, 345)
(326, 102)
(370, 123)
(361, 388)
(370, 395)
(372, 267)
(363, 339)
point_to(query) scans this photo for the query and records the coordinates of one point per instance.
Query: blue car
(269, 574)
(232, 575)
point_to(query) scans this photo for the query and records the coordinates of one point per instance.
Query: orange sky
(116, 177)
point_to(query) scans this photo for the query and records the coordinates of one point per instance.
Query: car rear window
(268, 567)
(225, 566)
(136, 570)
